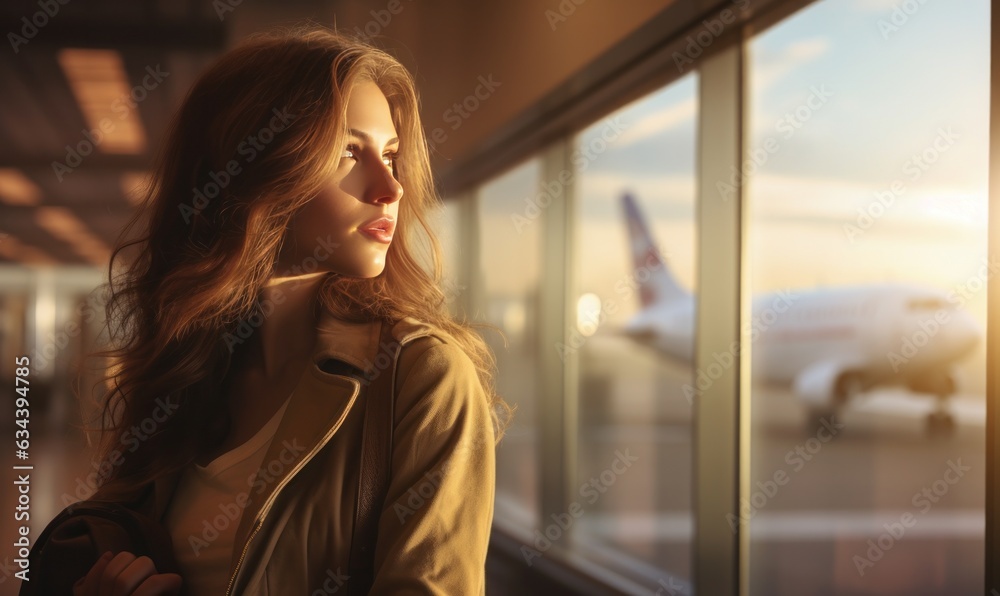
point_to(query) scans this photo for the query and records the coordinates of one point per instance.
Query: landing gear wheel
(849, 386)
(940, 424)
(816, 416)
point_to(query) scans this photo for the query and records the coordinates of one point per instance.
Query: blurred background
(860, 180)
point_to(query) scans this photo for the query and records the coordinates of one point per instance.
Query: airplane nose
(965, 333)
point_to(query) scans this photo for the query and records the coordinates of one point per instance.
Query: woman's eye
(389, 159)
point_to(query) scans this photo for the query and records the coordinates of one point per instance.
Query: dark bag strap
(72, 542)
(376, 460)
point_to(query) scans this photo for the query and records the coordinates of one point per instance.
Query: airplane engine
(826, 384)
(825, 387)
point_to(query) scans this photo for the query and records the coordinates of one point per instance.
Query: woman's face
(338, 229)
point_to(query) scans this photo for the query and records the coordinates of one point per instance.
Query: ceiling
(65, 185)
(65, 181)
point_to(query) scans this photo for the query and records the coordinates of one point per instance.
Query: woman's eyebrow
(367, 137)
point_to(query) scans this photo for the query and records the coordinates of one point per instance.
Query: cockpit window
(927, 304)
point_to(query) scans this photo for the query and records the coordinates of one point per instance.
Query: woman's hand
(125, 574)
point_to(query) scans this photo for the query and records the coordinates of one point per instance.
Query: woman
(284, 225)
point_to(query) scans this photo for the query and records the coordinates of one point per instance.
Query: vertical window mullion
(992, 537)
(721, 424)
(558, 424)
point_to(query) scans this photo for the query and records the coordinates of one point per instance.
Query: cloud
(658, 122)
(771, 68)
(601, 190)
(832, 201)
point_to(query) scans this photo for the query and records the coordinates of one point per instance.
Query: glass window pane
(634, 303)
(867, 188)
(507, 286)
(446, 225)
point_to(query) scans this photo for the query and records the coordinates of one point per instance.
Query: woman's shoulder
(417, 336)
(438, 383)
(431, 352)
(408, 329)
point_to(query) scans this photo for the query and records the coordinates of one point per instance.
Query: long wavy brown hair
(197, 268)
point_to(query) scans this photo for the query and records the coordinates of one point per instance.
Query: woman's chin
(364, 271)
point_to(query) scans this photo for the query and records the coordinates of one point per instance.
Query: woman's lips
(378, 234)
(380, 228)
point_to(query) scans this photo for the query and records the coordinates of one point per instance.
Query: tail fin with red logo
(656, 282)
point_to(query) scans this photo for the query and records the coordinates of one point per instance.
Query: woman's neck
(287, 327)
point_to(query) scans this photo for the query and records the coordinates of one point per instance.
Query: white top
(206, 509)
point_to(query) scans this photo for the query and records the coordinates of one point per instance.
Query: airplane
(829, 344)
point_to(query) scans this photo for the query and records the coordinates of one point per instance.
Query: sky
(856, 105)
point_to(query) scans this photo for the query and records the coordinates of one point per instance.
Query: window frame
(632, 69)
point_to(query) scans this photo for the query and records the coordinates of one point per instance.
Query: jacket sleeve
(434, 528)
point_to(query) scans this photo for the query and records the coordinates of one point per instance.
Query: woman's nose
(384, 188)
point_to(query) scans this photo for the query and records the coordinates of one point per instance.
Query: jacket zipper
(259, 522)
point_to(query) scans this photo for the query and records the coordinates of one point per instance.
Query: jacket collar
(316, 409)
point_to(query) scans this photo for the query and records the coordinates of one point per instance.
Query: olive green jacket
(294, 536)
